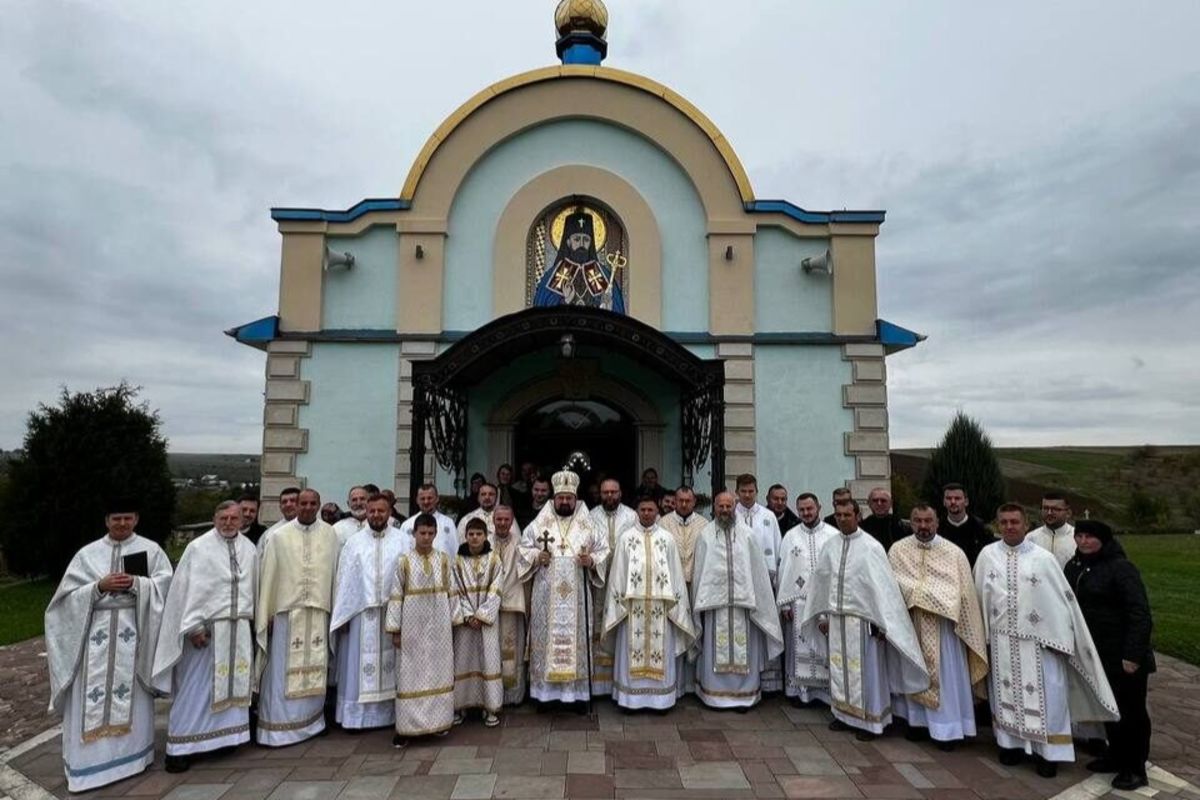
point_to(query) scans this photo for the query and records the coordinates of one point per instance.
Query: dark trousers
(1129, 738)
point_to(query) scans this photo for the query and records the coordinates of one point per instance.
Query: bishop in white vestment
(291, 621)
(853, 598)
(205, 653)
(1046, 672)
(447, 535)
(478, 576)
(611, 518)
(101, 630)
(506, 544)
(565, 556)
(805, 658)
(733, 612)
(935, 579)
(366, 657)
(421, 615)
(647, 618)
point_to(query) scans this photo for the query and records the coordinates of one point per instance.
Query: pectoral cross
(546, 540)
(559, 280)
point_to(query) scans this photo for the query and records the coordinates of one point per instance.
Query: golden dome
(581, 15)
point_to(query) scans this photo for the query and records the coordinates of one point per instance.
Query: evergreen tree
(965, 456)
(89, 448)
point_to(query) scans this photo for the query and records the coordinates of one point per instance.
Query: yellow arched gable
(548, 75)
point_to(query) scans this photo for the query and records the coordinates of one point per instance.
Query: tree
(965, 456)
(89, 448)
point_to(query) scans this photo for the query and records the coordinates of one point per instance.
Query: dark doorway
(549, 434)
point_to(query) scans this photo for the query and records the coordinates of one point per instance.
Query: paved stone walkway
(773, 751)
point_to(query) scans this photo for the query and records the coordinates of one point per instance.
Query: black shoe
(1095, 747)
(1101, 765)
(946, 747)
(1127, 781)
(1010, 758)
(838, 725)
(1047, 769)
(914, 734)
(399, 742)
(865, 736)
(177, 764)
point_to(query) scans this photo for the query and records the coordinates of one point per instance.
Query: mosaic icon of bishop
(577, 276)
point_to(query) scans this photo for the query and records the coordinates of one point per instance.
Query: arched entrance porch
(442, 386)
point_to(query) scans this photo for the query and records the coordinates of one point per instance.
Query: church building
(576, 270)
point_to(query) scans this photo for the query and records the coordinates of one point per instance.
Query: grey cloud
(1053, 267)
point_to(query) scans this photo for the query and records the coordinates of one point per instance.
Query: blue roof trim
(755, 207)
(815, 217)
(258, 333)
(349, 215)
(895, 338)
(262, 332)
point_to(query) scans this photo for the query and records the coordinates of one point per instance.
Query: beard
(724, 521)
(564, 509)
(580, 256)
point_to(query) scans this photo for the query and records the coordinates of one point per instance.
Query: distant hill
(235, 468)
(1109, 482)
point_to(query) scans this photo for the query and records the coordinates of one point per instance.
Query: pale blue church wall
(494, 179)
(365, 295)
(785, 299)
(799, 419)
(350, 417)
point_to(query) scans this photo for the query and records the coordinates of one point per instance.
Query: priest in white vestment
(101, 631)
(733, 612)
(487, 510)
(356, 501)
(763, 523)
(447, 534)
(854, 599)
(805, 658)
(1046, 672)
(565, 556)
(506, 544)
(478, 576)
(288, 499)
(366, 658)
(935, 579)
(291, 621)
(685, 525)
(647, 617)
(205, 653)
(1057, 534)
(611, 518)
(421, 616)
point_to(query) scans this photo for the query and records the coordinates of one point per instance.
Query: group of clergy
(415, 626)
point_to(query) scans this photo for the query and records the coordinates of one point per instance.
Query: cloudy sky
(1039, 162)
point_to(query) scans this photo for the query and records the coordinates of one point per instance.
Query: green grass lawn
(1170, 567)
(23, 607)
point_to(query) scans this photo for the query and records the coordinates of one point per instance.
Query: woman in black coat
(1113, 600)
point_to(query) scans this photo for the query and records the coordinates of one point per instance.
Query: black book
(136, 564)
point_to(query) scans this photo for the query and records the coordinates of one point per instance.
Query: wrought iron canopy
(440, 384)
